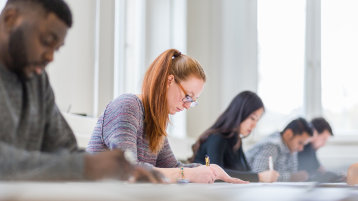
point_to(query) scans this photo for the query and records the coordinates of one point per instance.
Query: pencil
(207, 160)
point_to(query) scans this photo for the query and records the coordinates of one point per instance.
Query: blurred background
(299, 56)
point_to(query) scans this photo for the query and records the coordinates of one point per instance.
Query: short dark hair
(298, 127)
(58, 7)
(320, 124)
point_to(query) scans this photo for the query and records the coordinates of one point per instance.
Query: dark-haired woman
(222, 142)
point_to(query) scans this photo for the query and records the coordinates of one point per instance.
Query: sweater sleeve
(57, 156)
(120, 123)
(19, 164)
(166, 158)
(57, 133)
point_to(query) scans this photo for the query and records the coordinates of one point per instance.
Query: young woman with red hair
(137, 123)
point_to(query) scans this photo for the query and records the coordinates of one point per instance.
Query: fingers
(273, 176)
(233, 180)
(213, 170)
(277, 175)
(143, 175)
(219, 173)
(238, 181)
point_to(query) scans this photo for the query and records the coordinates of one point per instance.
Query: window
(281, 39)
(129, 48)
(339, 61)
(2, 4)
(328, 88)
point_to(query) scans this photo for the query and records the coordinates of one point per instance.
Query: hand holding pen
(219, 173)
(269, 175)
(270, 163)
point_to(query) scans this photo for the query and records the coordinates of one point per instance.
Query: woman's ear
(170, 80)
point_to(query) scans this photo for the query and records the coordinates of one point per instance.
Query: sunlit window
(281, 39)
(340, 63)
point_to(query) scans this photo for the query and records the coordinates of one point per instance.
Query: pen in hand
(270, 163)
(207, 160)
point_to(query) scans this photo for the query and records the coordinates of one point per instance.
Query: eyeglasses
(187, 98)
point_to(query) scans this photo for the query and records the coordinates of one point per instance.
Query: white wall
(71, 73)
(222, 36)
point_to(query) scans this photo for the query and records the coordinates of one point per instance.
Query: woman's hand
(222, 175)
(208, 174)
(268, 176)
(200, 174)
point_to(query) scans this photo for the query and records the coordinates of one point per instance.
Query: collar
(277, 139)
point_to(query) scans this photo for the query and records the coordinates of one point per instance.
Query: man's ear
(288, 134)
(10, 17)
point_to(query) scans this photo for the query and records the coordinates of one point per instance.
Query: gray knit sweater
(36, 143)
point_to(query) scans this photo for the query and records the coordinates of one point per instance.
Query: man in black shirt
(307, 159)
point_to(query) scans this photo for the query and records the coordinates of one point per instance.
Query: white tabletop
(114, 190)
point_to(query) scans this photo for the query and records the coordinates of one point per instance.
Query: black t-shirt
(307, 159)
(220, 150)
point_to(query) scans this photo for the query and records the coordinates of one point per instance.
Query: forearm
(284, 176)
(173, 174)
(244, 175)
(19, 164)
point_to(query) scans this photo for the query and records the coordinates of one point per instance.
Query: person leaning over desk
(282, 147)
(36, 143)
(308, 160)
(223, 140)
(137, 123)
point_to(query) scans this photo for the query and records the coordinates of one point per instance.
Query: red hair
(154, 92)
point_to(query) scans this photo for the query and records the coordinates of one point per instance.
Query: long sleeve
(120, 123)
(244, 175)
(58, 134)
(166, 158)
(17, 164)
(260, 161)
(36, 142)
(217, 148)
(307, 160)
(122, 127)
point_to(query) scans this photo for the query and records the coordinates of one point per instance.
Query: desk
(114, 190)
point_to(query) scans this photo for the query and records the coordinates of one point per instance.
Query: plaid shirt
(284, 161)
